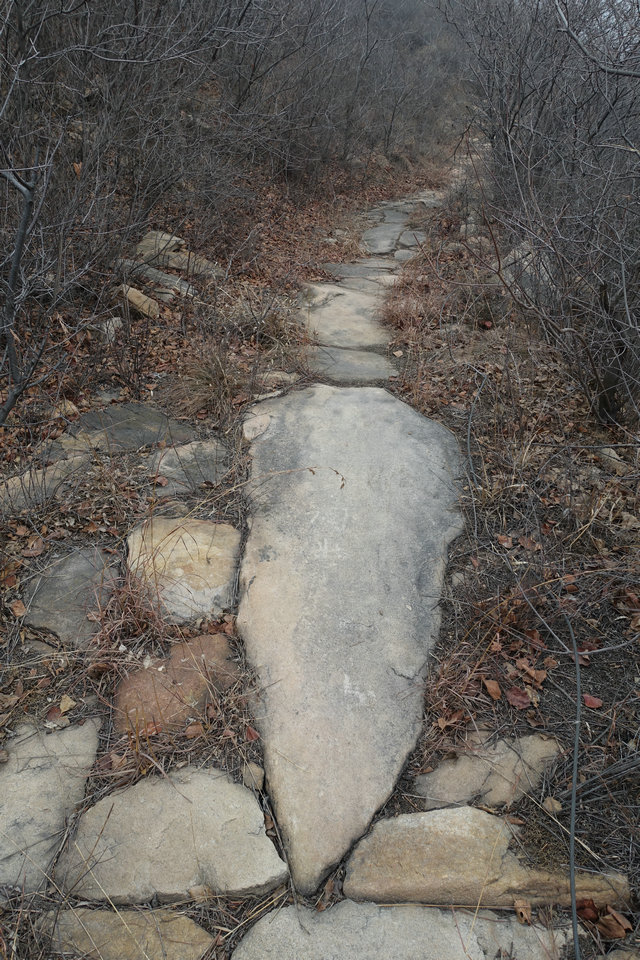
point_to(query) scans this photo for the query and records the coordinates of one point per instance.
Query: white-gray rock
(188, 567)
(125, 934)
(40, 784)
(463, 857)
(350, 931)
(72, 588)
(349, 366)
(169, 835)
(497, 774)
(345, 318)
(353, 507)
(190, 465)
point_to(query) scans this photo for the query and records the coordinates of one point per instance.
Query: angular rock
(170, 691)
(349, 366)
(339, 588)
(157, 242)
(361, 270)
(345, 318)
(130, 426)
(138, 301)
(460, 856)
(411, 238)
(352, 931)
(253, 776)
(72, 588)
(190, 263)
(159, 279)
(384, 237)
(125, 935)
(166, 836)
(189, 466)
(403, 255)
(41, 782)
(496, 774)
(37, 486)
(187, 566)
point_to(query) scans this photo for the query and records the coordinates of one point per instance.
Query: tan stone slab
(461, 856)
(187, 566)
(169, 836)
(138, 301)
(125, 934)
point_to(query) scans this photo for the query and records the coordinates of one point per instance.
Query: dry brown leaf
(594, 702)
(493, 688)
(518, 698)
(18, 608)
(66, 703)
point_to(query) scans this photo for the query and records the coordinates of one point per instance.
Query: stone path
(352, 505)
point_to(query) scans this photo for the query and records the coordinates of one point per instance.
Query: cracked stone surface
(187, 566)
(339, 589)
(67, 594)
(40, 784)
(345, 318)
(351, 931)
(168, 836)
(188, 466)
(349, 366)
(461, 856)
(125, 935)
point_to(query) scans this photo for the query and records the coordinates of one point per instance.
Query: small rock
(189, 466)
(63, 596)
(168, 834)
(65, 409)
(41, 782)
(158, 241)
(460, 856)
(188, 566)
(352, 931)
(496, 774)
(279, 378)
(551, 805)
(170, 691)
(138, 301)
(253, 776)
(125, 935)
(109, 329)
(613, 461)
(37, 486)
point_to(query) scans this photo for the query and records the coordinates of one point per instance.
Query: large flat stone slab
(461, 856)
(40, 484)
(353, 505)
(345, 318)
(125, 935)
(187, 567)
(169, 837)
(349, 366)
(66, 596)
(383, 238)
(350, 931)
(40, 784)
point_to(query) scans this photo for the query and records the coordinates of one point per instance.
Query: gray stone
(403, 255)
(461, 856)
(349, 366)
(38, 485)
(253, 776)
(339, 589)
(160, 281)
(169, 835)
(130, 426)
(125, 934)
(189, 466)
(40, 784)
(412, 238)
(67, 595)
(157, 242)
(345, 318)
(187, 566)
(350, 931)
(384, 237)
(360, 270)
(496, 774)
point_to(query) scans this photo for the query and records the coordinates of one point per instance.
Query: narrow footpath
(353, 503)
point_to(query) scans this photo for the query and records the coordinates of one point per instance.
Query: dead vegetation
(542, 607)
